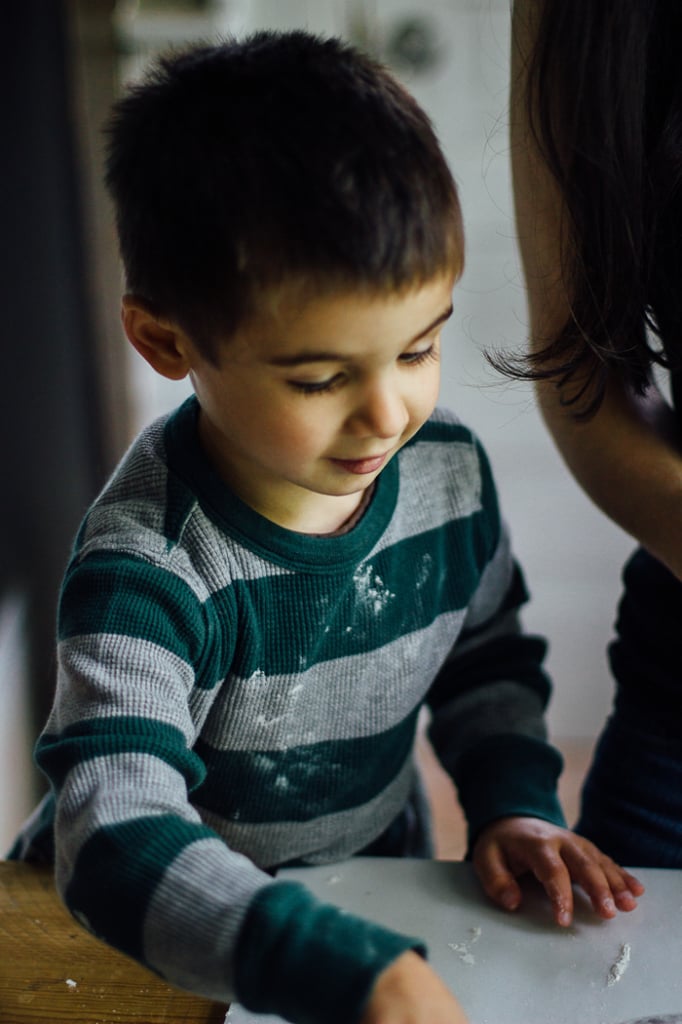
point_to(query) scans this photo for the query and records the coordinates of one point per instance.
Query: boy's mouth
(360, 466)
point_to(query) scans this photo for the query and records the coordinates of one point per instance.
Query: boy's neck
(355, 517)
(322, 515)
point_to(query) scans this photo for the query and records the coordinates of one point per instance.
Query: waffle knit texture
(233, 696)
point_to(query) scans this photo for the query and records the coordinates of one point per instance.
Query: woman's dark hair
(282, 158)
(604, 101)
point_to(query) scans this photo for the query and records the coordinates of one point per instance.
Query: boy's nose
(381, 412)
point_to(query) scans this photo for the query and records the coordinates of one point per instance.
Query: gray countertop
(519, 968)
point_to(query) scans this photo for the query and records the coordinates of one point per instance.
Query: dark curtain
(52, 456)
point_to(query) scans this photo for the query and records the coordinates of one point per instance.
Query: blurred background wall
(74, 394)
(63, 414)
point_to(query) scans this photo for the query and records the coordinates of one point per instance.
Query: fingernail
(564, 918)
(509, 899)
(609, 906)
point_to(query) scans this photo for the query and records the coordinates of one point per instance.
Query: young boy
(284, 571)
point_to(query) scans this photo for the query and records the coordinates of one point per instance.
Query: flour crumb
(71, 984)
(463, 952)
(620, 966)
(333, 879)
(462, 948)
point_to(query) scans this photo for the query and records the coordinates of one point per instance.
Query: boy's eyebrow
(334, 357)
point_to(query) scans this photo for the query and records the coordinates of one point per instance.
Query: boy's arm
(134, 861)
(488, 730)
(488, 703)
(328, 966)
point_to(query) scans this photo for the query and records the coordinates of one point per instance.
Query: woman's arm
(628, 457)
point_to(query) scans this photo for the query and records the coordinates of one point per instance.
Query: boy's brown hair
(280, 160)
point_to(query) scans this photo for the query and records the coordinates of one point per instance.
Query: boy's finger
(606, 884)
(632, 883)
(554, 876)
(497, 880)
(624, 886)
(624, 899)
(593, 879)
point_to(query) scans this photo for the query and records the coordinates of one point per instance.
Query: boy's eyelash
(322, 386)
(414, 358)
(316, 387)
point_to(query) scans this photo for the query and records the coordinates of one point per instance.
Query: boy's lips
(360, 466)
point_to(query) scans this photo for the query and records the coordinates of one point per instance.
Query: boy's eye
(316, 387)
(414, 358)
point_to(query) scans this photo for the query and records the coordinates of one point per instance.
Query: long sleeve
(118, 751)
(488, 702)
(135, 863)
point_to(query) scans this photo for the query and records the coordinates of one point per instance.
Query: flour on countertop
(620, 966)
(462, 948)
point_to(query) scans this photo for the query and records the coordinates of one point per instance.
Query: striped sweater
(233, 696)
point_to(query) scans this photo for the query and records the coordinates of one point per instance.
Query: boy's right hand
(408, 991)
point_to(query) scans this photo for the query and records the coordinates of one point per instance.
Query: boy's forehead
(298, 324)
(296, 300)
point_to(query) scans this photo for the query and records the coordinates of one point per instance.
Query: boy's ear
(164, 345)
